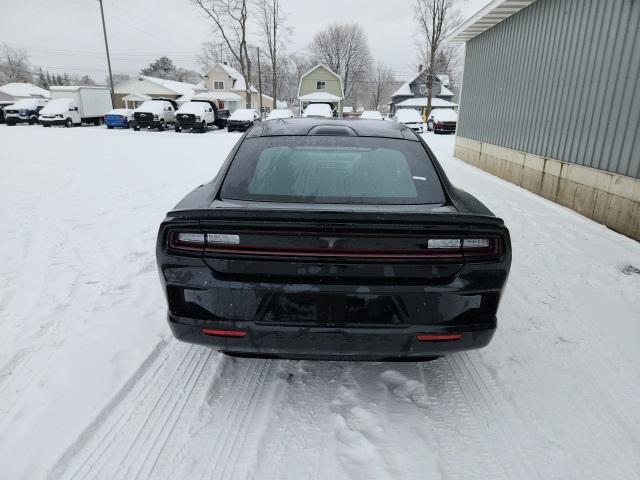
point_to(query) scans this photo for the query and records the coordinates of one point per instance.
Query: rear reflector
(224, 333)
(439, 337)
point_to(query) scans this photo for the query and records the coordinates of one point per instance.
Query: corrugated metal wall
(559, 79)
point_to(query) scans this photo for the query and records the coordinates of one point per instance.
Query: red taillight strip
(439, 337)
(341, 253)
(224, 333)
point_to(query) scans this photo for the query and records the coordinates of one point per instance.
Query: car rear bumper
(330, 342)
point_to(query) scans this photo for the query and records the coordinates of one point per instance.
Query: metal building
(551, 101)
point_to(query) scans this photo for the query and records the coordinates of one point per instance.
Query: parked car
(157, 113)
(280, 113)
(198, 114)
(3, 105)
(75, 105)
(119, 117)
(322, 110)
(242, 119)
(411, 119)
(442, 120)
(24, 111)
(342, 241)
(372, 115)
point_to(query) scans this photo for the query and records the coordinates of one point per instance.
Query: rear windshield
(324, 169)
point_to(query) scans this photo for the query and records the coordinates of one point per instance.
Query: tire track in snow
(141, 417)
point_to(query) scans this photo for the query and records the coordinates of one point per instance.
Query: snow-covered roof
(320, 97)
(136, 97)
(445, 80)
(404, 90)
(422, 102)
(181, 88)
(494, 13)
(24, 90)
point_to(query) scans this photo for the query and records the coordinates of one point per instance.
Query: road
(92, 385)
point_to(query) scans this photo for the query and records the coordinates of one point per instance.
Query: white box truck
(75, 105)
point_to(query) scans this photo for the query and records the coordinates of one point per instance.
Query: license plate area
(331, 310)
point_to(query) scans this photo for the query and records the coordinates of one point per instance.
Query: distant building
(228, 85)
(563, 119)
(321, 85)
(414, 94)
(131, 93)
(12, 92)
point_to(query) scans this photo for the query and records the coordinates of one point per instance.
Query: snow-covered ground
(92, 385)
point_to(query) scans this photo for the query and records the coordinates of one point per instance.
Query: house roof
(140, 97)
(327, 69)
(494, 13)
(405, 89)
(320, 97)
(24, 90)
(178, 88)
(422, 102)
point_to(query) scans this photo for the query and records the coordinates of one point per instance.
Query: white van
(318, 110)
(75, 105)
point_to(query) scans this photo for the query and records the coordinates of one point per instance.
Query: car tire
(68, 123)
(161, 126)
(177, 129)
(97, 122)
(129, 124)
(229, 130)
(203, 127)
(33, 120)
(45, 125)
(10, 124)
(136, 128)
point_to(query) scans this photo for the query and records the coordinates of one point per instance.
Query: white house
(12, 92)
(133, 92)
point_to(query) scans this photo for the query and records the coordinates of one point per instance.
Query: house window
(321, 85)
(218, 85)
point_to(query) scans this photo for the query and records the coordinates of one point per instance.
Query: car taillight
(480, 248)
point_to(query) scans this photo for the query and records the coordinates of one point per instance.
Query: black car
(25, 110)
(333, 239)
(242, 119)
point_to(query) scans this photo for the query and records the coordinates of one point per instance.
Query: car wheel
(136, 128)
(203, 127)
(11, 124)
(68, 123)
(129, 124)
(229, 130)
(177, 129)
(33, 120)
(45, 125)
(97, 122)
(161, 126)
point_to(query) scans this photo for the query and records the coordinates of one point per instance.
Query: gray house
(413, 94)
(551, 101)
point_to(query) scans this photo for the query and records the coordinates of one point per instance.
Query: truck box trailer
(74, 105)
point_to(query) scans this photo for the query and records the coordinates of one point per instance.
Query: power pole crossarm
(106, 46)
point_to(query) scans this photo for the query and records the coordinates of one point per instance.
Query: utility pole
(106, 45)
(259, 81)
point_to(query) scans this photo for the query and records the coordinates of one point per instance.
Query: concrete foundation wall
(607, 198)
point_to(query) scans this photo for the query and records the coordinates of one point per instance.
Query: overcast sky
(66, 35)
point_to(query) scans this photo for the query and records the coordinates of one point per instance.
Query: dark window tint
(323, 169)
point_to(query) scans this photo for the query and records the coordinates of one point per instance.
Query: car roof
(334, 127)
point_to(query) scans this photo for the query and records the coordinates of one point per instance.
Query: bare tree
(382, 85)
(214, 51)
(275, 33)
(229, 19)
(436, 19)
(14, 65)
(344, 49)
